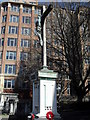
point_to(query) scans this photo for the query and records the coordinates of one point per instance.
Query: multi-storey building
(56, 48)
(17, 32)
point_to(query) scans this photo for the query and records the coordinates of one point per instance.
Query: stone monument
(44, 86)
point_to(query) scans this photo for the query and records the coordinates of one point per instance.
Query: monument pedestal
(44, 93)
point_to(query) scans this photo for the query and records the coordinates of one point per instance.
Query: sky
(61, 0)
(64, 0)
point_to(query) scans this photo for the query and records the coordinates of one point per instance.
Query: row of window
(10, 83)
(13, 42)
(11, 55)
(27, 10)
(24, 42)
(11, 69)
(14, 30)
(14, 18)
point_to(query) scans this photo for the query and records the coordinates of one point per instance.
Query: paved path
(46, 119)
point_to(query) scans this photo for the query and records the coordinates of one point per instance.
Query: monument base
(44, 93)
(56, 116)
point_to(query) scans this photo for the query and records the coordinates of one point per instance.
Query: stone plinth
(44, 93)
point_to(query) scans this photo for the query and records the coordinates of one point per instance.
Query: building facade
(17, 33)
(55, 29)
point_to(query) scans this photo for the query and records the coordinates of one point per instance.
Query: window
(5, 8)
(9, 84)
(4, 18)
(26, 31)
(0, 55)
(49, 32)
(14, 18)
(35, 32)
(35, 19)
(1, 42)
(49, 52)
(26, 19)
(49, 41)
(13, 30)
(37, 11)
(58, 88)
(11, 55)
(68, 88)
(36, 44)
(87, 48)
(27, 10)
(15, 8)
(87, 60)
(3, 30)
(56, 42)
(25, 43)
(0, 68)
(12, 42)
(23, 55)
(10, 69)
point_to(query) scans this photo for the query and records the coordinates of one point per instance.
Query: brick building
(17, 32)
(56, 48)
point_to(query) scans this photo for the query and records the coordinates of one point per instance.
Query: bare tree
(69, 31)
(28, 65)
